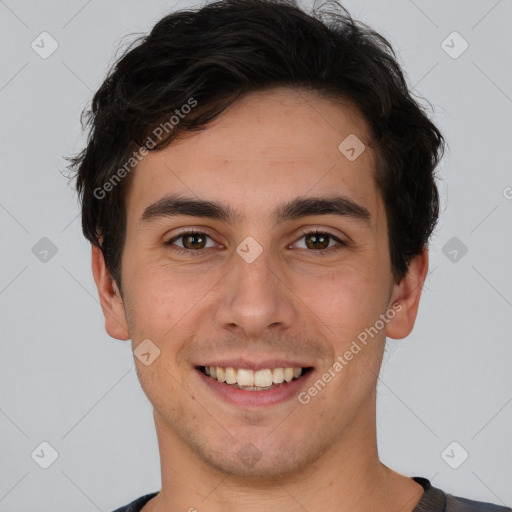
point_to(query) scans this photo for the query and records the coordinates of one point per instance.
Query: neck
(347, 477)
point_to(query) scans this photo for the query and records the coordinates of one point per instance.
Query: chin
(275, 459)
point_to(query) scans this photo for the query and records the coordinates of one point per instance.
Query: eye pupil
(321, 243)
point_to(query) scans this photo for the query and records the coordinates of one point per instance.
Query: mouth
(249, 381)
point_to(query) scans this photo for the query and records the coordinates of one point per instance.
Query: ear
(110, 297)
(407, 293)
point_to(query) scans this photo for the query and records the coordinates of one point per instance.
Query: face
(286, 270)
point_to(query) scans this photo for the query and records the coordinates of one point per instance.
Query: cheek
(349, 302)
(345, 298)
(152, 310)
(166, 306)
(161, 297)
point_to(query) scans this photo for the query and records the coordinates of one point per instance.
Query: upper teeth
(247, 377)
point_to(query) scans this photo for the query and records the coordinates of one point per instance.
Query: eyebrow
(174, 205)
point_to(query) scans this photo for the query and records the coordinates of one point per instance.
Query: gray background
(64, 381)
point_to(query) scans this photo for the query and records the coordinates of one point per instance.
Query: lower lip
(280, 393)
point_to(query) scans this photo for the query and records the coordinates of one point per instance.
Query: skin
(267, 148)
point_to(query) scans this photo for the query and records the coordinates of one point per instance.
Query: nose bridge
(254, 297)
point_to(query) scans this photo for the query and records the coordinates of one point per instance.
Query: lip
(280, 393)
(241, 362)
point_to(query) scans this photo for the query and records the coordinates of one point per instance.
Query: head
(246, 105)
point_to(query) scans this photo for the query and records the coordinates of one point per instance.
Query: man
(259, 191)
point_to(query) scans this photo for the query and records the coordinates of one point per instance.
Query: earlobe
(110, 297)
(407, 293)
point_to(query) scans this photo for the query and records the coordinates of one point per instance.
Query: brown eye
(320, 242)
(317, 240)
(191, 240)
(194, 241)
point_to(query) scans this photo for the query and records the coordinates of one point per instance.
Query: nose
(255, 298)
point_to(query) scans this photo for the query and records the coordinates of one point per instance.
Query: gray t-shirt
(432, 500)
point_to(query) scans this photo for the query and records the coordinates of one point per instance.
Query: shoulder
(458, 504)
(136, 505)
(436, 500)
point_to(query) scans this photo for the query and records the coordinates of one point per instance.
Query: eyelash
(198, 252)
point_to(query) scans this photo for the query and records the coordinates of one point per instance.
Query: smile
(254, 380)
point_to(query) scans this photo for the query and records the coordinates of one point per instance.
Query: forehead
(267, 147)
